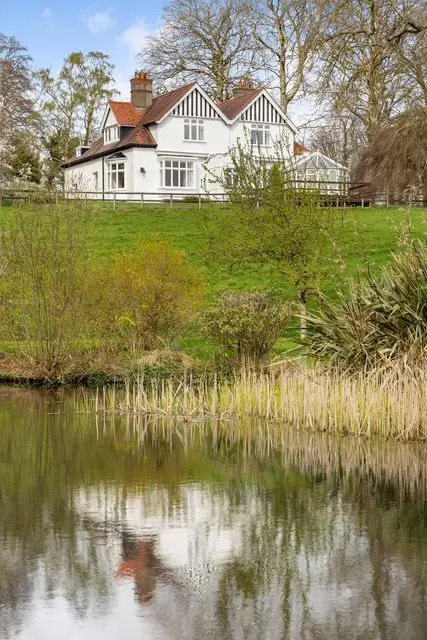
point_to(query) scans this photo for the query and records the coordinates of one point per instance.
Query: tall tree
(15, 93)
(361, 68)
(203, 40)
(290, 34)
(71, 103)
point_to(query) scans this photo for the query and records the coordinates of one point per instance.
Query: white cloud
(135, 37)
(47, 13)
(99, 22)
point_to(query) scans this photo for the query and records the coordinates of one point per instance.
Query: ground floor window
(177, 174)
(116, 175)
(95, 181)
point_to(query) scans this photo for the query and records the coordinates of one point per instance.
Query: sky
(51, 29)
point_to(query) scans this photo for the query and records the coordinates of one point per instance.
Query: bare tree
(203, 40)
(340, 136)
(361, 69)
(290, 34)
(413, 55)
(15, 93)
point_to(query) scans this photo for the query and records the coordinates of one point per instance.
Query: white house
(162, 145)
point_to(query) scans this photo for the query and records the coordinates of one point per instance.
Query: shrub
(154, 293)
(246, 324)
(42, 286)
(378, 320)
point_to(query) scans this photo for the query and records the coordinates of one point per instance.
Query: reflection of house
(317, 171)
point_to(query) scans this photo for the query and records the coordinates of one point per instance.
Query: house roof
(300, 148)
(164, 103)
(234, 106)
(126, 113)
(139, 137)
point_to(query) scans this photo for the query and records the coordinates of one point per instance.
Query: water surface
(107, 532)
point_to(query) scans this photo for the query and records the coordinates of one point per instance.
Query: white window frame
(95, 181)
(116, 167)
(194, 130)
(260, 134)
(111, 134)
(176, 172)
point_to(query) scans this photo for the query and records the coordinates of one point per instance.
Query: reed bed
(390, 404)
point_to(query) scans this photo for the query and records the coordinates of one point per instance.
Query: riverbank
(264, 406)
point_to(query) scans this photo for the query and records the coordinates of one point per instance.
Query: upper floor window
(260, 135)
(177, 173)
(194, 129)
(111, 134)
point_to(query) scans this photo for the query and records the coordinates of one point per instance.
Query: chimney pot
(141, 90)
(244, 86)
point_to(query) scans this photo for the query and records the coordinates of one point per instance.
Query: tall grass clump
(377, 321)
(43, 284)
(265, 405)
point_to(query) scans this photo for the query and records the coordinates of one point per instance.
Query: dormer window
(260, 135)
(111, 134)
(194, 129)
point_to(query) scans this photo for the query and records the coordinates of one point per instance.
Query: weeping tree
(396, 159)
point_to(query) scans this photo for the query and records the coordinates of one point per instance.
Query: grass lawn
(377, 228)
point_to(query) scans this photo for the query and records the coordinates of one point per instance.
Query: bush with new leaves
(154, 293)
(245, 324)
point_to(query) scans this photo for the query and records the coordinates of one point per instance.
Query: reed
(264, 405)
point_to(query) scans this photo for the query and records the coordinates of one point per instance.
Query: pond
(107, 531)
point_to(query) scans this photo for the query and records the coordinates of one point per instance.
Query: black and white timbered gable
(196, 105)
(265, 110)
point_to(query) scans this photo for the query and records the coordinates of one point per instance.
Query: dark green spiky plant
(377, 321)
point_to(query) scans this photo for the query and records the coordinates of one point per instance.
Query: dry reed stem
(391, 405)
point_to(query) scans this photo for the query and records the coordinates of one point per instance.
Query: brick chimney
(141, 90)
(244, 86)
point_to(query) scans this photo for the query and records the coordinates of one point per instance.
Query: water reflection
(106, 533)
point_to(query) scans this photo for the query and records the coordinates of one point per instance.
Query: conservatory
(316, 171)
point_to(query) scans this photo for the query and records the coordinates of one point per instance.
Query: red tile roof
(140, 136)
(233, 107)
(126, 113)
(299, 149)
(163, 103)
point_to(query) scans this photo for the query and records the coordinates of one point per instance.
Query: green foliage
(378, 320)
(43, 284)
(72, 103)
(153, 294)
(275, 224)
(246, 324)
(24, 161)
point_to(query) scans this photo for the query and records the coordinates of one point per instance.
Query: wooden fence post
(200, 201)
(171, 200)
(142, 199)
(114, 202)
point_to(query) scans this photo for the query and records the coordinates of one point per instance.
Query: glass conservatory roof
(317, 160)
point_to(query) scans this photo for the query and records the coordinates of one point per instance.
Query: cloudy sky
(51, 30)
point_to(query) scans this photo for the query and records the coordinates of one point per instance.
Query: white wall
(170, 137)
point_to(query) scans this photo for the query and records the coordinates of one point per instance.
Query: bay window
(194, 129)
(177, 174)
(260, 135)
